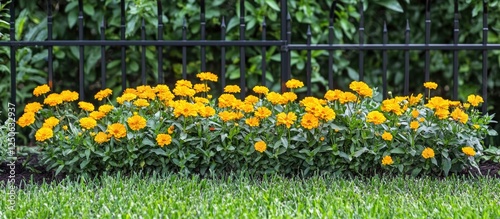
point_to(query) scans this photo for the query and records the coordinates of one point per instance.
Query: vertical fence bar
(485, 57)
(184, 50)
(160, 38)
(103, 55)
(455, 52)
(13, 64)
(223, 54)
(263, 53)
(361, 33)
(427, 39)
(330, 42)
(143, 53)
(308, 63)
(242, 49)
(284, 48)
(202, 26)
(289, 41)
(50, 48)
(80, 37)
(407, 60)
(122, 37)
(384, 62)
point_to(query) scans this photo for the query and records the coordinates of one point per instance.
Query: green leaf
(273, 5)
(390, 4)
(446, 166)
(360, 152)
(88, 9)
(159, 151)
(84, 164)
(397, 151)
(416, 171)
(147, 141)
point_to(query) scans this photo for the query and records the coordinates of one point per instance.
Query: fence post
(13, 72)
(284, 48)
(81, 56)
(485, 57)
(49, 37)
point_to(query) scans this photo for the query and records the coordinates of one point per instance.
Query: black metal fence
(284, 43)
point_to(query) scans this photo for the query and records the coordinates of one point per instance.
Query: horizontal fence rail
(284, 43)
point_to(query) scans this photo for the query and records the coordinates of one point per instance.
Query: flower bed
(185, 130)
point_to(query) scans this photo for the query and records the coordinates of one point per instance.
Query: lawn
(269, 197)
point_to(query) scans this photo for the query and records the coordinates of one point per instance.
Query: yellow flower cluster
(361, 88)
(428, 153)
(103, 94)
(430, 85)
(387, 160)
(469, 151)
(207, 76)
(294, 83)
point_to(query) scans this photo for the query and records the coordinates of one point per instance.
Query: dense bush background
(31, 25)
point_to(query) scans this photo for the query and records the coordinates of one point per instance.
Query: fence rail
(285, 44)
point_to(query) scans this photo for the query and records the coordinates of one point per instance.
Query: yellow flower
(126, 97)
(322, 138)
(428, 153)
(332, 95)
(106, 108)
(459, 115)
(275, 98)
(286, 119)
(103, 94)
(442, 113)
(87, 122)
(415, 113)
(252, 122)
(347, 97)
(101, 137)
(438, 103)
(387, 136)
(414, 100)
(43, 134)
(226, 100)
(474, 100)
(183, 83)
(361, 88)
(33, 107)
(289, 96)
(86, 106)
(469, 151)
(136, 122)
(375, 117)
(141, 103)
(475, 126)
(430, 85)
(251, 99)
(262, 112)
(184, 91)
(42, 89)
(199, 88)
(65, 127)
(309, 121)
(163, 139)
(117, 130)
(50, 122)
(26, 119)
(466, 105)
(53, 99)
(97, 115)
(207, 76)
(260, 146)
(206, 111)
(414, 125)
(69, 96)
(294, 83)
(325, 113)
(227, 115)
(183, 108)
(387, 160)
(232, 89)
(422, 119)
(260, 90)
(392, 105)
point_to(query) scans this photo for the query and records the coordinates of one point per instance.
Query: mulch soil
(38, 175)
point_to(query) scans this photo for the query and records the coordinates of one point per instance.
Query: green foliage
(492, 153)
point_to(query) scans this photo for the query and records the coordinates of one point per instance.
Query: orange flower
(469, 151)
(53, 99)
(414, 125)
(101, 137)
(26, 119)
(309, 121)
(387, 136)
(252, 122)
(262, 112)
(428, 153)
(375, 117)
(232, 89)
(430, 85)
(69, 96)
(103, 94)
(475, 100)
(136, 122)
(117, 130)
(86, 106)
(42, 89)
(459, 115)
(260, 146)
(286, 119)
(294, 83)
(207, 76)
(43, 134)
(50, 122)
(260, 90)
(332, 95)
(33, 107)
(163, 139)
(87, 122)
(387, 160)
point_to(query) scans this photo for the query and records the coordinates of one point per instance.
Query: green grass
(272, 197)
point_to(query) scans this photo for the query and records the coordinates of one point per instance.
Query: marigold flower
(289, 96)
(103, 94)
(387, 136)
(227, 116)
(86, 106)
(469, 151)
(466, 105)
(117, 130)
(414, 100)
(171, 129)
(309, 121)
(252, 122)
(294, 83)
(260, 90)
(287, 119)
(438, 103)
(251, 99)
(69, 96)
(421, 119)
(200, 88)
(260, 146)
(415, 113)
(101, 137)
(392, 105)
(42, 89)
(163, 139)
(442, 113)
(332, 95)
(361, 88)
(325, 113)
(414, 125)
(206, 111)
(375, 117)
(387, 160)
(262, 112)
(43, 134)
(347, 97)
(226, 100)
(184, 83)
(232, 89)
(136, 122)
(50, 122)
(275, 98)
(184, 91)
(130, 91)
(430, 85)
(459, 115)
(33, 107)
(428, 153)
(53, 99)
(201, 100)
(207, 76)
(141, 103)
(106, 108)
(26, 119)
(87, 122)
(183, 108)
(126, 97)
(475, 100)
